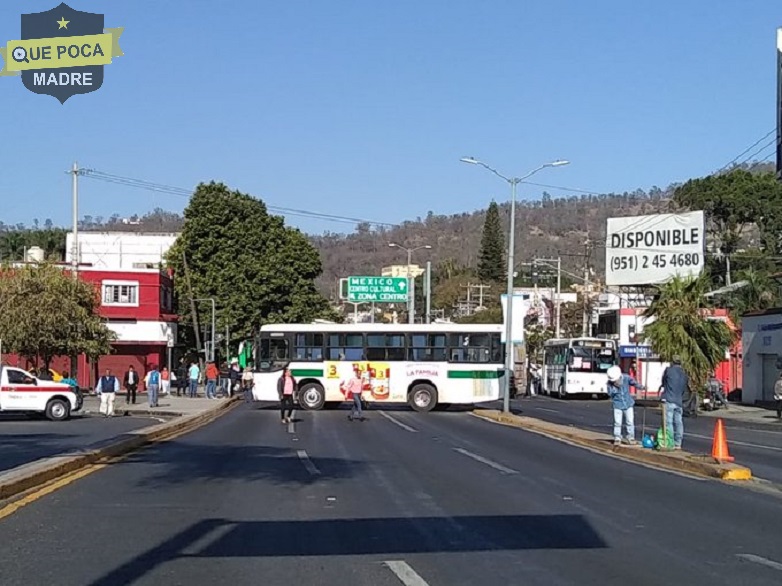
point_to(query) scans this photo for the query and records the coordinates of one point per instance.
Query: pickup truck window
(18, 377)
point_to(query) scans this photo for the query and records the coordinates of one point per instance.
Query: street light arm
(531, 173)
(488, 168)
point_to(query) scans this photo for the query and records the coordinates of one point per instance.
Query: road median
(701, 465)
(28, 476)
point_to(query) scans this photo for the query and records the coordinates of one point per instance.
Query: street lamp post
(410, 282)
(513, 181)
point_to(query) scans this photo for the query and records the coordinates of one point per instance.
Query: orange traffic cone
(719, 448)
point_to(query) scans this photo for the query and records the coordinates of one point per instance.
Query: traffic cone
(719, 447)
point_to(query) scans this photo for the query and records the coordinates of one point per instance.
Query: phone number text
(657, 261)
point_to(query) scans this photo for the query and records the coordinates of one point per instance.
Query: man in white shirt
(108, 387)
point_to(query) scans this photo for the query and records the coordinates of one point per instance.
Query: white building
(761, 343)
(121, 250)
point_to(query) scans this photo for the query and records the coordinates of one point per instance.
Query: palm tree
(12, 246)
(759, 292)
(682, 327)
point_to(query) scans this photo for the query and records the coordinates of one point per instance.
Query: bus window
(470, 348)
(309, 347)
(274, 354)
(427, 348)
(580, 360)
(385, 347)
(346, 347)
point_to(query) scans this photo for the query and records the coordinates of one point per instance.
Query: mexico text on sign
(377, 289)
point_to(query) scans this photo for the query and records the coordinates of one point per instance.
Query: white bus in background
(423, 365)
(577, 366)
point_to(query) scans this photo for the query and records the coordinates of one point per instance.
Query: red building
(137, 304)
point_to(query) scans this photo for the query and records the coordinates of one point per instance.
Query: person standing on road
(248, 382)
(182, 378)
(107, 389)
(165, 381)
(67, 380)
(286, 387)
(353, 389)
(211, 380)
(130, 382)
(153, 385)
(675, 384)
(778, 395)
(619, 390)
(194, 374)
(235, 375)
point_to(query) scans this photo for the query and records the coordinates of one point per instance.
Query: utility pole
(779, 104)
(75, 197)
(587, 289)
(429, 291)
(558, 296)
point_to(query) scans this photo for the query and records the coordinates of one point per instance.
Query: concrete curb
(678, 462)
(34, 474)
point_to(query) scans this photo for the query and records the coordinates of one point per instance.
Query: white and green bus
(577, 366)
(422, 365)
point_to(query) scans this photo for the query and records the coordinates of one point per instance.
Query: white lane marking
(305, 459)
(397, 422)
(738, 443)
(545, 409)
(760, 560)
(291, 428)
(405, 573)
(486, 461)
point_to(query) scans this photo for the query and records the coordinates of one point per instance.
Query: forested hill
(548, 228)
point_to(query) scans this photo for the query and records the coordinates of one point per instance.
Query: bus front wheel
(312, 396)
(422, 397)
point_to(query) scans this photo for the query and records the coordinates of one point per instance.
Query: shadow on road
(378, 536)
(195, 463)
(22, 448)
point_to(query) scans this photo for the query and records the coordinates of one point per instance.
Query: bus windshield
(582, 359)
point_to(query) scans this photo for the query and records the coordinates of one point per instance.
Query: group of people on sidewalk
(108, 386)
(675, 384)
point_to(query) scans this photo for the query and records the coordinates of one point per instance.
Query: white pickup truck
(21, 392)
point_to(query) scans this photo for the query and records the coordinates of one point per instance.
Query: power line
(745, 151)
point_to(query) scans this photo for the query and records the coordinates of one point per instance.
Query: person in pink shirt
(353, 388)
(286, 387)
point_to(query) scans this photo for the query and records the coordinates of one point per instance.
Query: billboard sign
(649, 250)
(377, 289)
(521, 307)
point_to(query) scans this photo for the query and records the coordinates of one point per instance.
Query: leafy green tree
(491, 263)
(681, 326)
(536, 336)
(257, 269)
(44, 313)
(487, 316)
(734, 202)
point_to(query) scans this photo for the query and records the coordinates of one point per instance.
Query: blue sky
(363, 108)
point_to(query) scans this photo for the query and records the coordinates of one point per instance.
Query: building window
(120, 293)
(166, 299)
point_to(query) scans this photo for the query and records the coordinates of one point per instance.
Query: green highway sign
(377, 289)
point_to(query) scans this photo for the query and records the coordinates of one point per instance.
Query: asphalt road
(403, 498)
(757, 446)
(24, 440)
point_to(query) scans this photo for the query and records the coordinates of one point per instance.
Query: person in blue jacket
(619, 390)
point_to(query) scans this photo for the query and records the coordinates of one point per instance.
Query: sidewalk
(168, 406)
(746, 414)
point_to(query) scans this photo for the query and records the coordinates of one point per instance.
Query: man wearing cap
(675, 384)
(619, 390)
